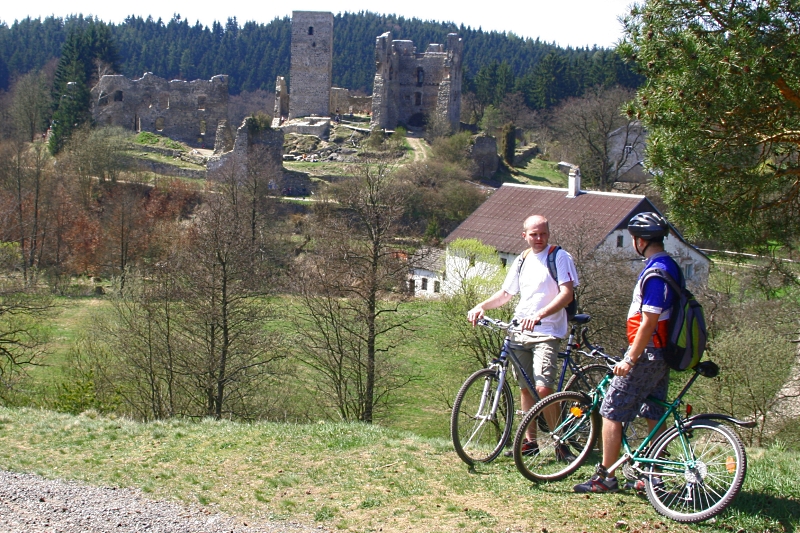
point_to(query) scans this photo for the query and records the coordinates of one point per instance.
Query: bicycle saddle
(581, 318)
(707, 369)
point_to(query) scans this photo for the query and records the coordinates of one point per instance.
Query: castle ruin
(310, 75)
(411, 88)
(187, 111)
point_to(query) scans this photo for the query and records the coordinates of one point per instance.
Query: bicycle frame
(507, 355)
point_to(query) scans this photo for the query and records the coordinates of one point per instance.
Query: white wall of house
(695, 265)
(427, 284)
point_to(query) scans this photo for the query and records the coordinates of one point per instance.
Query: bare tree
(599, 137)
(23, 335)
(27, 175)
(224, 279)
(352, 287)
(607, 278)
(31, 105)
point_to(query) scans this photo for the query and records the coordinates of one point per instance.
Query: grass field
(355, 477)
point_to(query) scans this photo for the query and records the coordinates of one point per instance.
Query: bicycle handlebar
(597, 351)
(495, 323)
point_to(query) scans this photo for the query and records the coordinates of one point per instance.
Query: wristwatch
(627, 359)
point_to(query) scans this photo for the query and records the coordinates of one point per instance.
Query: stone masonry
(187, 111)
(411, 88)
(255, 153)
(311, 71)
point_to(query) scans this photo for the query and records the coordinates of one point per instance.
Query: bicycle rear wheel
(694, 486)
(479, 433)
(566, 429)
(587, 378)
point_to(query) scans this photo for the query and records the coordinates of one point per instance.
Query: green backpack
(686, 333)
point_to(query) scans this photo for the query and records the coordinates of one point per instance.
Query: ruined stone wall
(185, 111)
(343, 100)
(259, 152)
(312, 64)
(281, 110)
(410, 87)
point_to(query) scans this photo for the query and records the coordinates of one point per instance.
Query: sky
(575, 23)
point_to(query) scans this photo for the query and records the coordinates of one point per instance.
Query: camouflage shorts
(626, 395)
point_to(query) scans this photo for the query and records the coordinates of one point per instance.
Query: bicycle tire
(577, 433)
(710, 478)
(594, 374)
(479, 436)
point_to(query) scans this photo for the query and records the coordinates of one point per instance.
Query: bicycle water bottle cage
(707, 369)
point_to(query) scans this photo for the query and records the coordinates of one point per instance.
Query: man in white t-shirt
(542, 299)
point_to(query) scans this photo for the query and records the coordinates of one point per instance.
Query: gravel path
(31, 504)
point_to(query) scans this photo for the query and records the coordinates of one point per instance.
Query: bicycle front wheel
(701, 470)
(479, 430)
(565, 429)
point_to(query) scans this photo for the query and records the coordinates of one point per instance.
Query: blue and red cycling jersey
(657, 298)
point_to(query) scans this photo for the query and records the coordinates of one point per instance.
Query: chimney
(574, 182)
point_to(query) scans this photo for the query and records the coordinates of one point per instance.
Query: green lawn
(356, 477)
(538, 172)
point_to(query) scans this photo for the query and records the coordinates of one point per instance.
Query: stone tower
(412, 87)
(310, 76)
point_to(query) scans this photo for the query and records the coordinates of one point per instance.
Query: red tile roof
(498, 221)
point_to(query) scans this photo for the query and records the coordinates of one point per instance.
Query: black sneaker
(563, 453)
(598, 484)
(528, 448)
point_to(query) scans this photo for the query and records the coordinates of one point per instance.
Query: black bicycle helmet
(648, 226)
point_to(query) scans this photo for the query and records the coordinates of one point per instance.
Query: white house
(602, 217)
(427, 268)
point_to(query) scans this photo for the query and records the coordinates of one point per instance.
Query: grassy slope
(400, 476)
(353, 477)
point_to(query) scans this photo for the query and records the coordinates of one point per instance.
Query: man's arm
(643, 335)
(498, 299)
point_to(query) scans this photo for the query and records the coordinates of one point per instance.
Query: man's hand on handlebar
(475, 314)
(527, 324)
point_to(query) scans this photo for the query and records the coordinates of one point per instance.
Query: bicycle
(691, 471)
(483, 411)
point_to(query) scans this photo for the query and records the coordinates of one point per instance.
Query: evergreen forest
(253, 54)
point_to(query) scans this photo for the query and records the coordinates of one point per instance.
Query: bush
(146, 137)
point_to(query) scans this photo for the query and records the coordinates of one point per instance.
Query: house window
(620, 241)
(628, 149)
(688, 270)
(202, 127)
(437, 286)
(117, 96)
(417, 98)
(424, 284)
(503, 261)
(311, 30)
(160, 124)
(201, 103)
(412, 285)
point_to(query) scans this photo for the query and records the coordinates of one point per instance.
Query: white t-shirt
(537, 288)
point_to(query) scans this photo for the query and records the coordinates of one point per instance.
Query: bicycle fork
(491, 415)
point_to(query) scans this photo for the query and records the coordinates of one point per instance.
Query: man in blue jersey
(642, 371)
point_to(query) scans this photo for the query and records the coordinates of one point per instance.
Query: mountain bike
(483, 411)
(691, 471)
